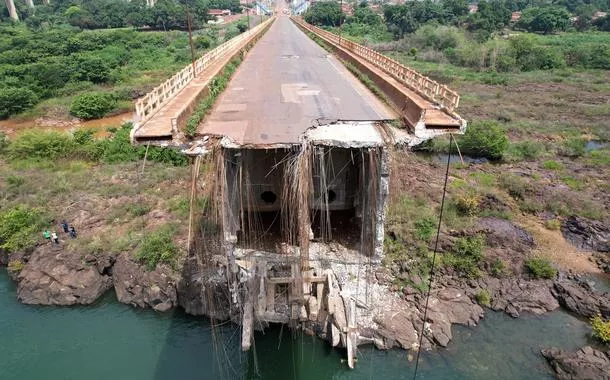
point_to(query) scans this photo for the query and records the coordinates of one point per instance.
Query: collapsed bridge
(300, 151)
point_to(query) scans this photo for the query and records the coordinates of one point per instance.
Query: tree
(491, 16)
(365, 15)
(545, 19)
(327, 13)
(15, 100)
(400, 20)
(602, 23)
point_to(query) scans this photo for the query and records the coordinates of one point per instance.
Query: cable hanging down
(438, 232)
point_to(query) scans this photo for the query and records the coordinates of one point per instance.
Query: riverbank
(142, 344)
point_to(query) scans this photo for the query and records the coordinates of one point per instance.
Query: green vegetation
(216, 87)
(50, 145)
(499, 269)
(541, 267)
(20, 228)
(158, 247)
(93, 105)
(425, 227)
(553, 224)
(552, 165)
(484, 139)
(601, 328)
(326, 13)
(465, 256)
(15, 266)
(483, 298)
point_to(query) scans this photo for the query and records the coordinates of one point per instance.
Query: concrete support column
(12, 11)
(382, 198)
(29, 3)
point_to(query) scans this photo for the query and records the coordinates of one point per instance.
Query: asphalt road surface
(286, 84)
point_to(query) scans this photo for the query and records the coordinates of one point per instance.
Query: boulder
(514, 296)
(586, 234)
(136, 286)
(53, 276)
(449, 306)
(586, 363)
(504, 234)
(579, 298)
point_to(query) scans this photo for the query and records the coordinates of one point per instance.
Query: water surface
(109, 340)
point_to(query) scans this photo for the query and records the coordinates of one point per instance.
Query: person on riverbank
(46, 234)
(54, 237)
(72, 232)
(64, 225)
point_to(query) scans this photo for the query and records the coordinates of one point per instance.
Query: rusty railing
(422, 85)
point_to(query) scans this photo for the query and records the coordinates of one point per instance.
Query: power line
(438, 232)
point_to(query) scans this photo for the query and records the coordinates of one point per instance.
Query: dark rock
(515, 296)
(204, 293)
(53, 277)
(579, 298)
(586, 363)
(504, 234)
(450, 306)
(586, 234)
(3, 257)
(136, 286)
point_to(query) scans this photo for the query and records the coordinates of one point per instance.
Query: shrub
(527, 150)
(484, 139)
(93, 105)
(19, 228)
(15, 266)
(541, 267)
(465, 256)
(15, 100)
(552, 224)
(3, 142)
(573, 147)
(467, 203)
(483, 298)
(425, 227)
(552, 165)
(601, 328)
(515, 185)
(202, 42)
(157, 247)
(39, 144)
(499, 269)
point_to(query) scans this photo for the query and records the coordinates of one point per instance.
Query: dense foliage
(65, 61)
(541, 267)
(484, 139)
(157, 247)
(601, 328)
(96, 14)
(93, 105)
(51, 145)
(19, 228)
(326, 13)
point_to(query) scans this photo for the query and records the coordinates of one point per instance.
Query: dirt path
(555, 247)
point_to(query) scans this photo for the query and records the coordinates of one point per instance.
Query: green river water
(109, 340)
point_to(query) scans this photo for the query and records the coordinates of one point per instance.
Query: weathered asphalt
(286, 84)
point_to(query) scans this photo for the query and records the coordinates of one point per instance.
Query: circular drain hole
(268, 197)
(331, 196)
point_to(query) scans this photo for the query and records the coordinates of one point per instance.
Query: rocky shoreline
(389, 317)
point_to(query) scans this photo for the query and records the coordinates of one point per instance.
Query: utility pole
(248, 13)
(188, 25)
(340, 22)
(12, 11)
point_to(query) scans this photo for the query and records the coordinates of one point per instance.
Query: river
(110, 340)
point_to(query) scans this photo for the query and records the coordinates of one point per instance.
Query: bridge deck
(287, 84)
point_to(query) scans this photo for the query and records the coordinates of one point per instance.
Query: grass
(158, 247)
(216, 87)
(541, 267)
(483, 298)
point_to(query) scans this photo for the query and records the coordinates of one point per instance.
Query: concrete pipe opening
(269, 197)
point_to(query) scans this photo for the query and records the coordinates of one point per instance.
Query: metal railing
(147, 105)
(422, 85)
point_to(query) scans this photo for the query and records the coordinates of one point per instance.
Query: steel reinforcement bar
(425, 87)
(149, 104)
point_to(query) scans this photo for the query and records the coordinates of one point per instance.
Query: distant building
(515, 16)
(473, 8)
(599, 14)
(219, 12)
(347, 9)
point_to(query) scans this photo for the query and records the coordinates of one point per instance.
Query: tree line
(491, 15)
(98, 14)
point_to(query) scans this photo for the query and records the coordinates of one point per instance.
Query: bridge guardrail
(147, 105)
(424, 86)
